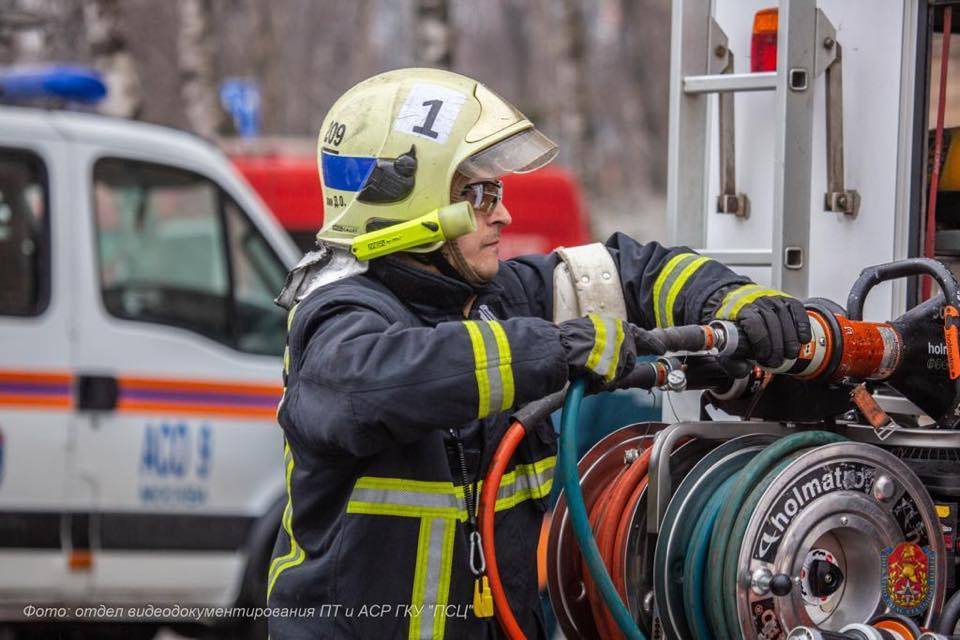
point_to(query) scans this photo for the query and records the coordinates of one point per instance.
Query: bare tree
(573, 74)
(198, 86)
(103, 22)
(24, 26)
(435, 34)
(646, 50)
(265, 57)
(593, 74)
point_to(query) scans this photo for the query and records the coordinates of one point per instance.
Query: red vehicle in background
(546, 206)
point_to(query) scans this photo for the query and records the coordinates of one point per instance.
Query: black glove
(604, 348)
(775, 324)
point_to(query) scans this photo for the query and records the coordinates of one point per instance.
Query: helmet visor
(521, 153)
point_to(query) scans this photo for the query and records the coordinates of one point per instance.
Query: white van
(140, 367)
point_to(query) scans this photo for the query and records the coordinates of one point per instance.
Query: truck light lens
(763, 43)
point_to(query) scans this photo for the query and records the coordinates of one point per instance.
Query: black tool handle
(872, 276)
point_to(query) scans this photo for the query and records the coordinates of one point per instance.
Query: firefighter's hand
(600, 347)
(776, 325)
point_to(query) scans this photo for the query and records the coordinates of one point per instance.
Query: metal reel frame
(661, 483)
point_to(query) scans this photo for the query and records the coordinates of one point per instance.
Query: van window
(24, 234)
(175, 249)
(258, 277)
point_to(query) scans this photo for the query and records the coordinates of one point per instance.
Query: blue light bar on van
(75, 84)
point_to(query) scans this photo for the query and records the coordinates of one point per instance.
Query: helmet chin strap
(449, 260)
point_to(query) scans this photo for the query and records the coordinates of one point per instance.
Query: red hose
(610, 518)
(623, 530)
(488, 509)
(620, 492)
(931, 230)
(623, 496)
(600, 513)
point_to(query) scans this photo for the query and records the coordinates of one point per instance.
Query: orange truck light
(763, 42)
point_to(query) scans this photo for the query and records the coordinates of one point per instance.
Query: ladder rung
(724, 82)
(740, 257)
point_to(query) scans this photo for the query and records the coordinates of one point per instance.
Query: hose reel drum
(763, 527)
(858, 534)
(826, 533)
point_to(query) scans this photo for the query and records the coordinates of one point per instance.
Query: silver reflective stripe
(431, 580)
(607, 362)
(434, 556)
(485, 313)
(528, 484)
(493, 365)
(438, 505)
(731, 300)
(406, 498)
(666, 314)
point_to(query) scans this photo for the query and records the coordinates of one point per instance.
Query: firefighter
(400, 372)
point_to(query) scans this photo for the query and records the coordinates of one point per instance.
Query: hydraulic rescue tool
(815, 511)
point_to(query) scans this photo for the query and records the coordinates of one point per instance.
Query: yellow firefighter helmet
(390, 146)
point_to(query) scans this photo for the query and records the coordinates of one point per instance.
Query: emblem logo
(909, 572)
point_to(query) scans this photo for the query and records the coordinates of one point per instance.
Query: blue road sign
(241, 99)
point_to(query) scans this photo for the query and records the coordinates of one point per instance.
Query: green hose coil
(580, 521)
(731, 524)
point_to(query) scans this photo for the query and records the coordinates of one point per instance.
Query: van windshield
(175, 249)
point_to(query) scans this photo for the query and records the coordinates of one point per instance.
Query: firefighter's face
(481, 247)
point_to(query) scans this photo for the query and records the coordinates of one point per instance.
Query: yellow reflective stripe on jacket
(431, 582)
(678, 285)
(670, 282)
(599, 341)
(740, 297)
(604, 358)
(418, 499)
(505, 365)
(439, 505)
(493, 364)
(296, 554)
(541, 469)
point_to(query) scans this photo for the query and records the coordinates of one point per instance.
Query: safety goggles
(484, 196)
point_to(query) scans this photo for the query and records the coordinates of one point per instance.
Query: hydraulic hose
(580, 522)
(599, 511)
(488, 508)
(622, 495)
(738, 506)
(615, 521)
(695, 563)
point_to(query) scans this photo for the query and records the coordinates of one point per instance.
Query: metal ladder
(701, 64)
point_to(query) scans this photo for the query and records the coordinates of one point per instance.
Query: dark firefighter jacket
(379, 368)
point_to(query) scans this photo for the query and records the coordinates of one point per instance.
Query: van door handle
(97, 393)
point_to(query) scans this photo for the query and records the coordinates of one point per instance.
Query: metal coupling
(677, 380)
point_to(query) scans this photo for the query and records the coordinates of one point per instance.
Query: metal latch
(721, 62)
(829, 60)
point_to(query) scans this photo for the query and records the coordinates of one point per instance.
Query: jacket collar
(426, 290)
